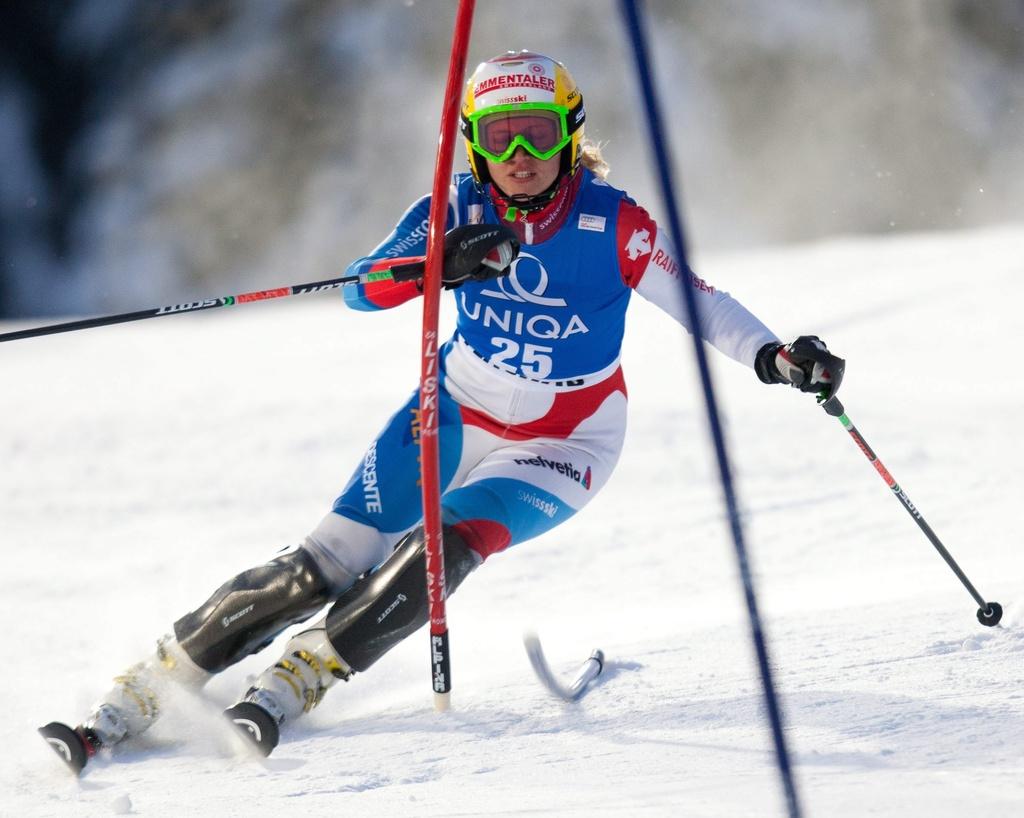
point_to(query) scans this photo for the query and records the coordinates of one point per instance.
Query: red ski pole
(400, 272)
(989, 612)
(429, 458)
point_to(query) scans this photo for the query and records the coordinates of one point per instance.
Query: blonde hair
(591, 159)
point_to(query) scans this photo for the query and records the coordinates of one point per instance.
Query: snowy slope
(144, 464)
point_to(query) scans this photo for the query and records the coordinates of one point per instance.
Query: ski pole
(399, 272)
(989, 613)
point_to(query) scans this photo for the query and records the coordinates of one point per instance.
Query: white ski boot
(128, 709)
(294, 685)
(132, 705)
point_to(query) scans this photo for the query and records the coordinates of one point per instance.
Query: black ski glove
(474, 252)
(806, 364)
(477, 252)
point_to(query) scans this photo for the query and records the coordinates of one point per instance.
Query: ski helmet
(522, 99)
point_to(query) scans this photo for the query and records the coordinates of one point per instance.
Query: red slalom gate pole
(430, 471)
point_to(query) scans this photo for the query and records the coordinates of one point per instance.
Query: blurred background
(156, 152)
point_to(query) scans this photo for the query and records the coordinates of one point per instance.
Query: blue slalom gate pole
(631, 13)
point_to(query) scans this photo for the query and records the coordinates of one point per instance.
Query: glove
(806, 364)
(474, 252)
(477, 252)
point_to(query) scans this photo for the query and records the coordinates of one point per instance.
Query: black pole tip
(990, 616)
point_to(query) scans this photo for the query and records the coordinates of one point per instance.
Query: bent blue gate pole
(631, 13)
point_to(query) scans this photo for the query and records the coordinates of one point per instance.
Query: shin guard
(245, 614)
(384, 607)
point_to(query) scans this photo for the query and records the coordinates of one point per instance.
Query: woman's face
(524, 174)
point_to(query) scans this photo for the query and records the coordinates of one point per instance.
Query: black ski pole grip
(409, 271)
(832, 406)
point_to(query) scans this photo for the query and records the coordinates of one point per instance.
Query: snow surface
(146, 463)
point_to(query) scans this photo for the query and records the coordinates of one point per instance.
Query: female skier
(545, 255)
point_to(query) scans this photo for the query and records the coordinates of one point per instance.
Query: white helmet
(522, 99)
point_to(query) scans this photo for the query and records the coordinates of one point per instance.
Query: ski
(74, 746)
(588, 671)
(249, 731)
(259, 732)
(257, 728)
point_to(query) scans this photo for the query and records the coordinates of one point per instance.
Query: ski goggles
(541, 129)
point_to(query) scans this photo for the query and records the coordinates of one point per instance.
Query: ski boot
(128, 709)
(294, 685)
(74, 745)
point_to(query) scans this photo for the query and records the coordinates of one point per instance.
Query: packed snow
(144, 464)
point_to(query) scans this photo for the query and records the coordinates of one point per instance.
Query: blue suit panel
(560, 313)
(384, 492)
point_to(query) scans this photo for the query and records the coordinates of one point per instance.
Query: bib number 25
(535, 363)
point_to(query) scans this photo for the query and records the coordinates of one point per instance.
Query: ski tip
(255, 725)
(68, 743)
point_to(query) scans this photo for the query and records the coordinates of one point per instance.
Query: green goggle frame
(471, 130)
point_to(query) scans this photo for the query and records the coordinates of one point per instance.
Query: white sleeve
(725, 323)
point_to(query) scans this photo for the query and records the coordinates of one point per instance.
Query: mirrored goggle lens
(541, 130)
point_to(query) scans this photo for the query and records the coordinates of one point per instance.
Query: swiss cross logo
(639, 244)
